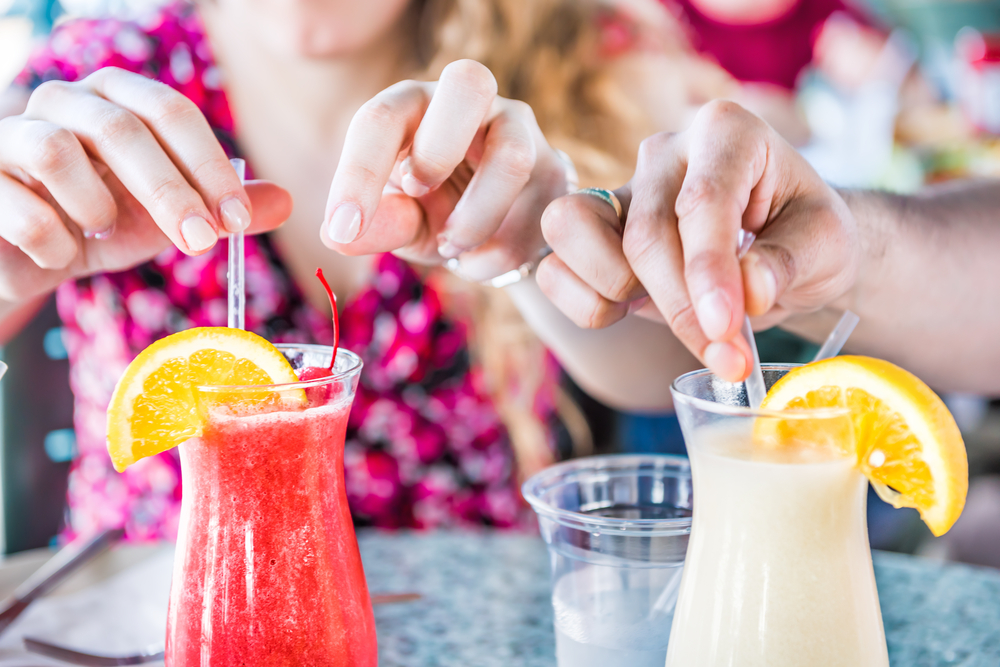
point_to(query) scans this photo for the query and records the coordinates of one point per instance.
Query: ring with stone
(607, 196)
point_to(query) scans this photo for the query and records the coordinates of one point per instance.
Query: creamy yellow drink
(778, 570)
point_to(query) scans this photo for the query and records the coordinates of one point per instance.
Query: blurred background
(888, 94)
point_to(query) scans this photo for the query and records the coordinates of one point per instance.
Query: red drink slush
(267, 570)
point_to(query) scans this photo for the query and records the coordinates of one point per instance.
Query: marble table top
(486, 602)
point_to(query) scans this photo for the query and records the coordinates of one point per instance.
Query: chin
(325, 28)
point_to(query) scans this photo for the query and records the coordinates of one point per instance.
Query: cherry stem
(336, 320)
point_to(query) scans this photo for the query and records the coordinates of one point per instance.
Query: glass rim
(353, 369)
(535, 486)
(680, 396)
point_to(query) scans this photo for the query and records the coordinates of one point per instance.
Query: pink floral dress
(425, 446)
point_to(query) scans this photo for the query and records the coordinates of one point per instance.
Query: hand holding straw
(756, 389)
(835, 341)
(237, 290)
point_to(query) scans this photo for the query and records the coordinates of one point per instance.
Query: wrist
(873, 216)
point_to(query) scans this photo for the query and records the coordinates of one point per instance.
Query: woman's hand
(683, 209)
(103, 174)
(444, 170)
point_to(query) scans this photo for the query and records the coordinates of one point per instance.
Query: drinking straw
(835, 341)
(756, 389)
(237, 288)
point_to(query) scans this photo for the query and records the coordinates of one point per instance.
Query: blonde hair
(546, 53)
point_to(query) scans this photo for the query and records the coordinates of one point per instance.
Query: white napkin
(120, 615)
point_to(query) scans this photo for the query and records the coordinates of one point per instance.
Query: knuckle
(651, 147)
(637, 242)
(679, 316)
(173, 107)
(378, 112)
(621, 286)
(208, 171)
(722, 111)
(119, 126)
(46, 94)
(701, 193)
(167, 192)
(433, 163)
(33, 231)
(598, 314)
(517, 156)
(363, 178)
(521, 110)
(56, 149)
(555, 220)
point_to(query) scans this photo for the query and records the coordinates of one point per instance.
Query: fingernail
(101, 235)
(235, 215)
(345, 223)
(446, 248)
(770, 282)
(413, 187)
(714, 314)
(638, 304)
(198, 234)
(390, 189)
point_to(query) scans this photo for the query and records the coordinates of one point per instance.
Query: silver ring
(607, 196)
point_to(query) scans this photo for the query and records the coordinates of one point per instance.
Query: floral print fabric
(425, 446)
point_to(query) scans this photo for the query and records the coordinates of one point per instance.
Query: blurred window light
(55, 347)
(60, 445)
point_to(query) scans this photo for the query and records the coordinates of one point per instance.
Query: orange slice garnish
(154, 406)
(905, 440)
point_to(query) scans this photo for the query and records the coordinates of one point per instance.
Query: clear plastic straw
(756, 389)
(3, 369)
(835, 341)
(237, 288)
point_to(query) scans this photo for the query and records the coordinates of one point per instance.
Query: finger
(507, 162)
(120, 140)
(33, 226)
(271, 206)
(186, 137)
(53, 156)
(650, 240)
(461, 102)
(585, 233)
(804, 259)
(575, 298)
(378, 132)
(721, 176)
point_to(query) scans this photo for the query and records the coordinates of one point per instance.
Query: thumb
(270, 204)
(765, 278)
(803, 260)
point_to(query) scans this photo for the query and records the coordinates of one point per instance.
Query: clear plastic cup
(617, 530)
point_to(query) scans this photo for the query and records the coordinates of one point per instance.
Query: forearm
(629, 365)
(928, 287)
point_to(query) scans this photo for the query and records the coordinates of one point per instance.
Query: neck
(321, 93)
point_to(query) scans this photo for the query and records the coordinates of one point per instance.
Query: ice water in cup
(616, 528)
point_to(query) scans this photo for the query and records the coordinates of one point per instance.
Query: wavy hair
(554, 55)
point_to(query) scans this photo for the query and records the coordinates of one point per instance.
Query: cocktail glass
(779, 570)
(267, 570)
(617, 530)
